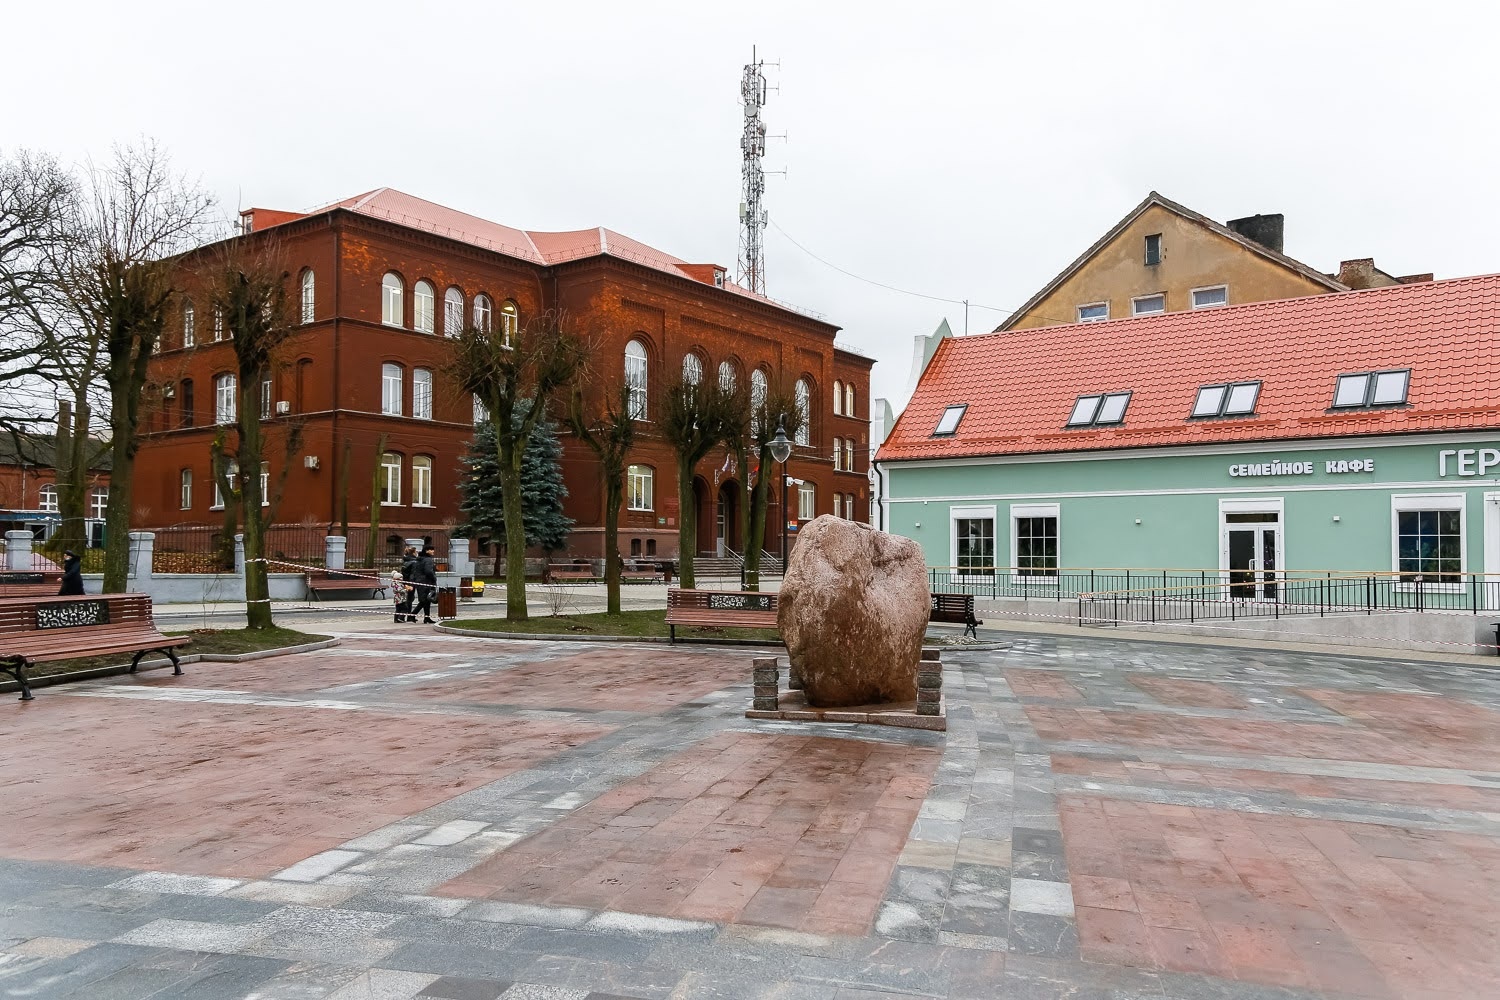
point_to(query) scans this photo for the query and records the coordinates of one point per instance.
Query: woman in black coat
(72, 581)
(427, 579)
(409, 574)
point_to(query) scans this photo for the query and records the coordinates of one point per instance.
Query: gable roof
(541, 248)
(1155, 198)
(1021, 386)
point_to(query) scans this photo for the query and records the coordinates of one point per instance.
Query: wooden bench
(29, 584)
(643, 571)
(723, 608)
(571, 571)
(958, 609)
(67, 628)
(333, 581)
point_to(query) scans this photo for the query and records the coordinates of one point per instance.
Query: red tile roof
(537, 247)
(1020, 386)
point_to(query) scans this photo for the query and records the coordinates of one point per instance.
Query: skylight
(1099, 409)
(1227, 399)
(1387, 388)
(948, 423)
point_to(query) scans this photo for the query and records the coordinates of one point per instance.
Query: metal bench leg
(135, 660)
(18, 671)
(176, 666)
(672, 629)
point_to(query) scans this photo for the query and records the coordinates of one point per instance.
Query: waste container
(447, 602)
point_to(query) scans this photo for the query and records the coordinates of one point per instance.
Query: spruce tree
(542, 489)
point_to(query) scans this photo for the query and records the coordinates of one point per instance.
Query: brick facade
(328, 378)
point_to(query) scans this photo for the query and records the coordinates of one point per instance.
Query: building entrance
(1251, 553)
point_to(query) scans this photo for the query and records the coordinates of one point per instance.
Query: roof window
(948, 423)
(1100, 409)
(1149, 305)
(1227, 399)
(1386, 388)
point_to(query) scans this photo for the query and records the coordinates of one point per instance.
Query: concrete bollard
(18, 551)
(929, 682)
(138, 559)
(335, 547)
(767, 681)
(239, 553)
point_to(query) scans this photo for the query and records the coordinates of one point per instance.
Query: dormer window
(948, 423)
(1386, 388)
(1231, 399)
(1101, 409)
(1094, 312)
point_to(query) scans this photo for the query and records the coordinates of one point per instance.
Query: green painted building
(1349, 434)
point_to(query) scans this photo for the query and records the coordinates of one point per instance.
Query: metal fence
(205, 548)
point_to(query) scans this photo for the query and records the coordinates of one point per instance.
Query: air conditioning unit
(283, 407)
(310, 461)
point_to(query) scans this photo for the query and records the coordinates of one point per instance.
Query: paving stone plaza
(424, 815)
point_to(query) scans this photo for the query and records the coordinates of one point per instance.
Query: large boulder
(853, 611)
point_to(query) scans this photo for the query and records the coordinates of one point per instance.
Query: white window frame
(838, 506)
(424, 307)
(226, 403)
(1135, 304)
(838, 398)
(481, 412)
(391, 388)
(640, 487)
(230, 475)
(1492, 538)
(1252, 505)
(265, 484)
(421, 481)
(637, 376)
(46, 499)
(972, 512)
(1093, 319)
(309, 295)
(421, 393)
(218, 323)
(1193, 297)
(758, 389)
(392, 472)
(802, 394)
(1020, 510)
(267, 391)
(189, 325)
(99, 502)
(1401, 502)
(484, 313)
(453, 311)
(510, 323)
(392, 300)
(849, 400)
(185, 489)
(807, 501)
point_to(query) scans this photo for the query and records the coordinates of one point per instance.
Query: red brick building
(378, 280)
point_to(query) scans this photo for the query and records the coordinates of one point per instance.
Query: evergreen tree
(542, 489)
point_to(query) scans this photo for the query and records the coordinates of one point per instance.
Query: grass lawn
(631, 623)
(206, 640)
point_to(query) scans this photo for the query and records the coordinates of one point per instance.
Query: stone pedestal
(143, 544)
(767, 680)
(18, 551)
(929, 682)
(239, 553)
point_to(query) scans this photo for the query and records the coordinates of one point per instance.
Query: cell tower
(752, 263)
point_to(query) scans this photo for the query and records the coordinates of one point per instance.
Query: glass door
(1253, 541)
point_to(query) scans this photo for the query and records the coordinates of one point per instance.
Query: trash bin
(447, 602)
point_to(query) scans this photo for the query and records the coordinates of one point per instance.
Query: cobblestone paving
(417, 815)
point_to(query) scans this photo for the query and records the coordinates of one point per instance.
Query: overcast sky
(956, 150)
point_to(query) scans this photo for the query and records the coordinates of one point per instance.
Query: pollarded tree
(542, 489)
(694, 418)
(609, 432)
(771, 406)
(515, 376)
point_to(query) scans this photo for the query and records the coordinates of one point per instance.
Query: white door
(1250, 553)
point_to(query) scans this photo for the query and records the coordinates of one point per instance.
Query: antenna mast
(752, 263)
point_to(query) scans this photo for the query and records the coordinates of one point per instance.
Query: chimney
(1267, 230)
(1359, 273)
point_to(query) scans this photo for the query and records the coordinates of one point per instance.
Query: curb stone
(94, 673)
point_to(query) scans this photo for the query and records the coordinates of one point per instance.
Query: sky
(953, 150)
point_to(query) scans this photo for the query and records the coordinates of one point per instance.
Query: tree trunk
(70, 463)
(344, 489)
(614, 498)
(755, 534)
(372, 539)
(117, 514)
(687, 525)
(515, 529)
(257, 587)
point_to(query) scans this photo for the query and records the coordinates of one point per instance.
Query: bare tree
(516, 377)
(777, 408)
(372, 540)
(695, 415)
(609, 431)
(245, 280)
(135, 217)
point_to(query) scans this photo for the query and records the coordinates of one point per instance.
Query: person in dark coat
(427, 580)
(409, 573)
(72, 581)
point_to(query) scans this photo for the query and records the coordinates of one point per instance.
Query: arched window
(650, 546)
(421, 481)
(391, 377)
(390, 479)
(635, 378)
(309, 296)
(692, 369)
(453, 312)
(635, 547)
(728, 377)
(849, 506)
(47, 499)
(838, 503)
(224, 399)
(838, 398)
(424, 308)
(185, 489)
(421, 394)
(510, 323)
(849, 400)
(189, 325)
(482, 313)
(640, 484)
(392, 308)
(807, 501)
(304, 379)
(757, 398)
(804, 412)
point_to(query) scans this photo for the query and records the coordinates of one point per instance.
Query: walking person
(426, 584)
(400, 592)
(409, 572)
(72, 580)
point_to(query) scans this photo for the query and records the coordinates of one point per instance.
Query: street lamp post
(781, 451)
